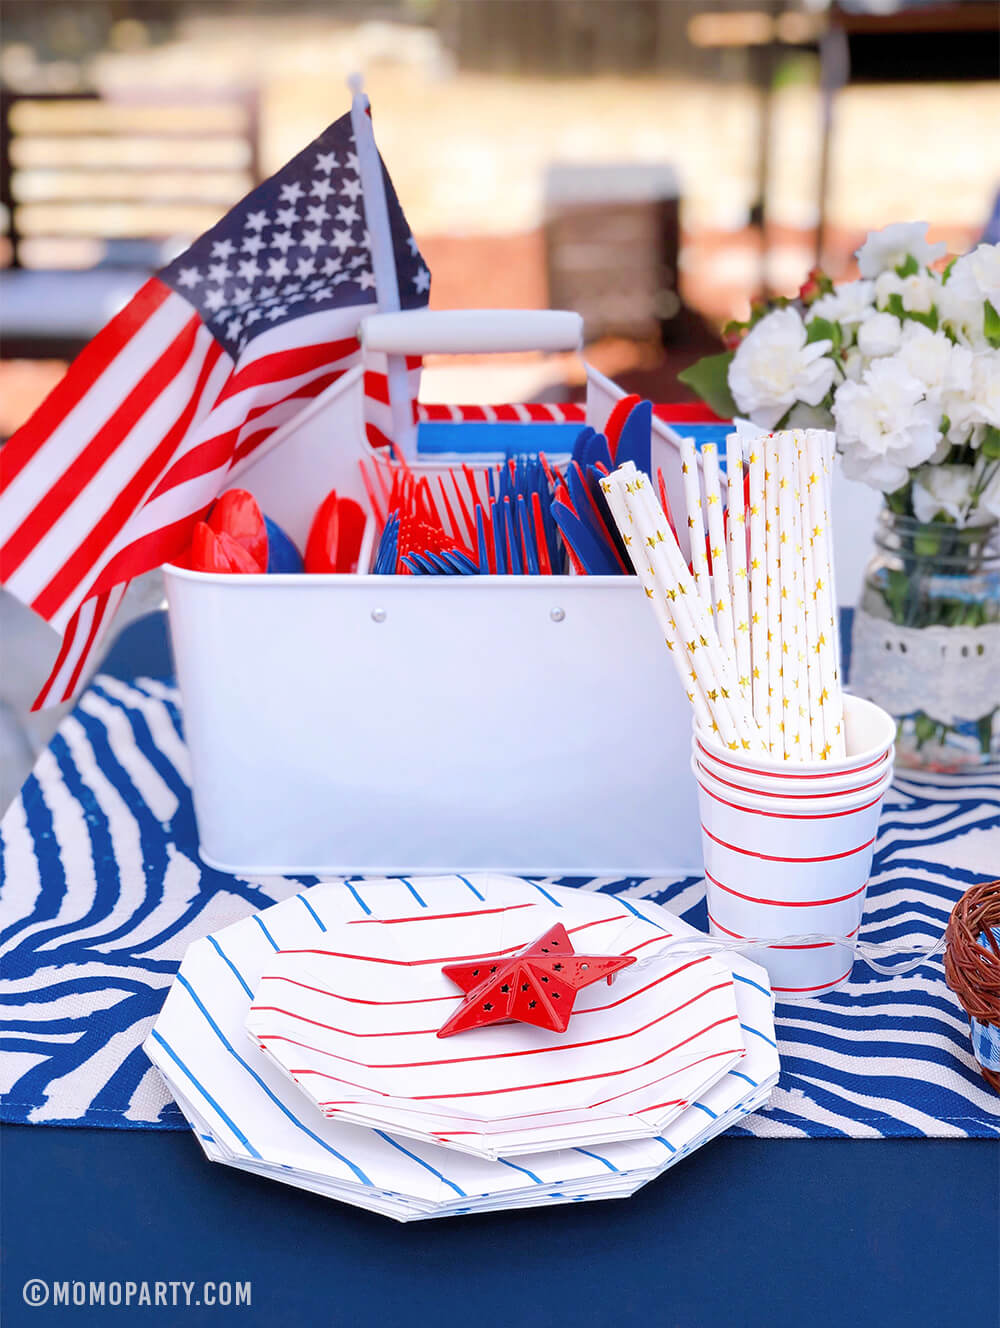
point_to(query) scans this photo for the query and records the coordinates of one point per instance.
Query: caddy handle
(471, 331)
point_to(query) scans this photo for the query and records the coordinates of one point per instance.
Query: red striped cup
(870, 735)
(781, 866)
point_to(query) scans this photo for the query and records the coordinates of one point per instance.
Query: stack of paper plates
(302, 1044)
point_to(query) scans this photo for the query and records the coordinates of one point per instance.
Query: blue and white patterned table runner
(102, 890)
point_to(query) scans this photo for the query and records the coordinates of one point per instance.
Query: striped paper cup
(870, 735)
(777, 867)
(787, 781)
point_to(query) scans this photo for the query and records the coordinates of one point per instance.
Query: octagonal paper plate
(248, 1115)
(353, 1017)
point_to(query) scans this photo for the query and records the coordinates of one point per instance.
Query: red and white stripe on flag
(107, 478)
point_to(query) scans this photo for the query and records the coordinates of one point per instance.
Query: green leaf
(820, 329)
(924, 727)
(894, 305)
(947, 269)
(709, 377)
(991, 443)
(991, 325)
(909, 268)
(929, 320)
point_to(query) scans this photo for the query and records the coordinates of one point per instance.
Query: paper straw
(814, 682)
(792, 619)
(722, 601)
(828, 444)
(637, 523)
(656, 593)
(776, 694)
(692, 615)
(821, 594)
(739, 590)
(760, 659)
(695, 515)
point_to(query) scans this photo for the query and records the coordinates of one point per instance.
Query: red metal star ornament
(537, 985)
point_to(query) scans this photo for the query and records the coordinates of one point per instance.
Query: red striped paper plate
(353, 1020)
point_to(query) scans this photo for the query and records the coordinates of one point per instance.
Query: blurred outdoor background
(744, 138)
(655, 164)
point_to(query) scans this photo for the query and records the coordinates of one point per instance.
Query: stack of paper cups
(788, 848)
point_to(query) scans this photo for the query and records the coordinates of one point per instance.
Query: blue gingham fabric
(102, 891)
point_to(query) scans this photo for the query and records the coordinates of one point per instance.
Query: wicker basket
(972, 970)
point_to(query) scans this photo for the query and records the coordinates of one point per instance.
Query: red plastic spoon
(211, 552)
(335, 536)
(237, 514)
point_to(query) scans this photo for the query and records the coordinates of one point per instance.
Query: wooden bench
(100, 191)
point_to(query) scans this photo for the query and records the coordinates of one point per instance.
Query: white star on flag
(291, 193)
(327, 161)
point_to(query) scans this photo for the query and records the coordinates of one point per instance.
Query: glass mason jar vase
(926, 640)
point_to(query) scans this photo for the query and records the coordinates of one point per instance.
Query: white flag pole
(383, 261)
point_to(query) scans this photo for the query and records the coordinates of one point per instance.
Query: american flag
(214, 352)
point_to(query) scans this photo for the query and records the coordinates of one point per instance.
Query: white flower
(774, 368)
(891, 246)
(976, 276)
(986, 388)
(939, 364)
(962, 312)
(849, 303)
(853, 364)
(942, 489)
(880, 334)
(919, 292)
(885, 427)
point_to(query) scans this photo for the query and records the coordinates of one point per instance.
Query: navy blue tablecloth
(744, 1234)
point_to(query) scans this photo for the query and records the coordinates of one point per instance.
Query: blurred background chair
(100, 191)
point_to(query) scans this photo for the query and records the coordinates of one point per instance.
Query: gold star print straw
(739, 590)
(625, 484)
(656, 591)
(695, 515)
(822, 601)
(817, 726)
(721, 601)
(760, 659)
(670, 563)
(793, 627)
(694, 618)
(776, 689)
